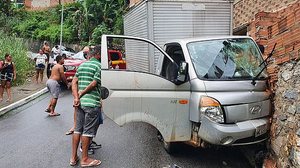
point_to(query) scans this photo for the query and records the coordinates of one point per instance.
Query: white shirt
(55, 51)
(40, 59)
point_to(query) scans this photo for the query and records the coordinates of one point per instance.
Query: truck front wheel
(170, 147)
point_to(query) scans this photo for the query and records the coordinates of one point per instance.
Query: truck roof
(187, 40)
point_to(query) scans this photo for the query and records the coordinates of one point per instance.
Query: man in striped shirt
(86, 89)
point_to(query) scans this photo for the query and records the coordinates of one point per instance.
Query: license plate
(260, 130)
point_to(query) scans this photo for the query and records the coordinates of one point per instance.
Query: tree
(84, 21)
(103, 13)
(6, 7)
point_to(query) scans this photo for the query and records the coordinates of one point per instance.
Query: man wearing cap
(86, 89)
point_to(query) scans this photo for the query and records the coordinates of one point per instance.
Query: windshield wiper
(265, 63)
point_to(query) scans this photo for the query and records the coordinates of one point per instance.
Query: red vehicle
(71, 64)
(117, 61)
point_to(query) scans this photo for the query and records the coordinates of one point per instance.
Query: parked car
(115, 56)
(65, 51)
(72, 63)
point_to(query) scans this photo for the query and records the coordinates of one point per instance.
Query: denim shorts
(87, 121)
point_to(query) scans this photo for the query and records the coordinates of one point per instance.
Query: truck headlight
(212, 109)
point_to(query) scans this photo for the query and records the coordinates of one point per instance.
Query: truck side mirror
(182, 73)
(104, 92)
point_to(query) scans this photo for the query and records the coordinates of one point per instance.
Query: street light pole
(61, 27)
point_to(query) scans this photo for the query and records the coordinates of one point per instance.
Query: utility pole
(61, 26)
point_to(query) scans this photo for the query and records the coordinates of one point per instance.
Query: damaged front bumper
(241, 133)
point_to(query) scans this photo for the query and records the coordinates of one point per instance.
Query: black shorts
(40, 67)
(87, 121)
(7, 76)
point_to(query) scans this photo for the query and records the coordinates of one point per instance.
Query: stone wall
(282, 27)
(285, 132)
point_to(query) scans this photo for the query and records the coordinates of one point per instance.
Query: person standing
(55, 51)
(86, 89)
(46, 49)
(53, 85)
(40, 64)
(8, 74)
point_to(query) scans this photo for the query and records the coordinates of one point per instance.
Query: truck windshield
(227, 59)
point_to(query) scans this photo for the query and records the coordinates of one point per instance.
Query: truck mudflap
(241, 133)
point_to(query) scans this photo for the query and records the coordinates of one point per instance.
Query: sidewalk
(28, 90)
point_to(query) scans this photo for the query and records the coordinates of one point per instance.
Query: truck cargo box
(163, 20)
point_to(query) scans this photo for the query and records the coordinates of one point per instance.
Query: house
(41, 4)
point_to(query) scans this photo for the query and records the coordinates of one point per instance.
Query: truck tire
(159, 137)
(170, 147)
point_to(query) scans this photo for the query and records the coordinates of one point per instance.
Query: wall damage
(282, 27)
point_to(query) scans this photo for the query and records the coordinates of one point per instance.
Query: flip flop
(47, 110)
(69, 132)
(92, 164)
(54, 115)
(74, 163)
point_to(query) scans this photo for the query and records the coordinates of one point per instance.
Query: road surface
(30, 139)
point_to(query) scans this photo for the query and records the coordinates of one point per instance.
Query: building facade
(41, 4)
(245, 10)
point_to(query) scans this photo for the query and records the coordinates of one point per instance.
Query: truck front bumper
(241, 133)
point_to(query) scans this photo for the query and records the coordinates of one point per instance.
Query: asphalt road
(30, 139)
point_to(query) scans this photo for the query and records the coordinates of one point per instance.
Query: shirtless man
(57, 75)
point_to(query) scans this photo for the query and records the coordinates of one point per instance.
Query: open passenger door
(139, 96)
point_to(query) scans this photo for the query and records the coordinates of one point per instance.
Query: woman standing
(40, 64)
(8, 74)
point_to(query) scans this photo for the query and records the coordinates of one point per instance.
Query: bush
(16, 47)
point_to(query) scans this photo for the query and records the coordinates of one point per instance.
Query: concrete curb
(21, 102)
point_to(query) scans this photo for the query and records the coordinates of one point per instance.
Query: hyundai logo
(255, 109)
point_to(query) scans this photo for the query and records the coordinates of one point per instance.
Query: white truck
(205, 90)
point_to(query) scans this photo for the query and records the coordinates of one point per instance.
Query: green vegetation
(84, 22)
(15, 47)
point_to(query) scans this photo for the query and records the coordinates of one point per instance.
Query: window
(169, 70)
(226, 59)
(114, 56)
